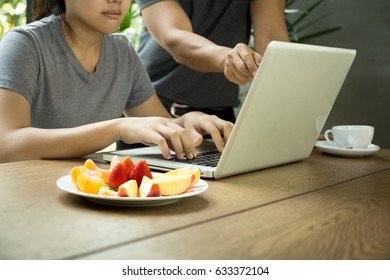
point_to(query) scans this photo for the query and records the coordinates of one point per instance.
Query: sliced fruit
(118, 175)
(127, 161)
(128, 189)
(185, 170)
(175, 184)
(75, 172)
(140, 170)
(104, 174)
(90, 164)
(114, 161)
(90, 184)
(96, 171)
(106, 191)
(149, 189)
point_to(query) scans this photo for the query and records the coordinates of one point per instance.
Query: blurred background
(365, 96)
(12, 13)
(356, 24)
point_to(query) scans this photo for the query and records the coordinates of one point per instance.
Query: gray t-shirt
(224, 22)
(37, 62)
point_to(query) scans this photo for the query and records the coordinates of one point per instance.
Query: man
(196, 51)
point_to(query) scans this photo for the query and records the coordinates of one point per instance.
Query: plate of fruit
(129, 184)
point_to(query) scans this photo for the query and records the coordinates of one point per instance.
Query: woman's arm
(148, 123)
(20, 141)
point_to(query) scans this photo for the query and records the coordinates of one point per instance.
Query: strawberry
(140, 170)
(118, 175)
(129, 165)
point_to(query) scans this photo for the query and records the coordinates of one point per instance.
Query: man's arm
(269, 23)
(171, 27)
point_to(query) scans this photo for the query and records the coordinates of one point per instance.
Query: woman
(65, 82)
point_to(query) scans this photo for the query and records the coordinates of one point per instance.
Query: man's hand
(241, 64)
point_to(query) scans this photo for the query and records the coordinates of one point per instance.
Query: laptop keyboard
(209, 159)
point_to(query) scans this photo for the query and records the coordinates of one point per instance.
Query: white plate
(331, 148)
(65, 183)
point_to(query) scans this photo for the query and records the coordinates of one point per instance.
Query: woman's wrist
(124, 128)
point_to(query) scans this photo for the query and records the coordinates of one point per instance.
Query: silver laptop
(281, 118)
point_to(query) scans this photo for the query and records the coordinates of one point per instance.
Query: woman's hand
(158, 131)
(198, 124)
(180, 135)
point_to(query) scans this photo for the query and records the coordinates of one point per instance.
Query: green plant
(131, 24)
(12, 13)
(297, 22)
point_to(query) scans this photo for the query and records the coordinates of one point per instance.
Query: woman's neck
(85, 44)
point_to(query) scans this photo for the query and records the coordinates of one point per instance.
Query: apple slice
(182, 171)
(114, 161)
(128, 189)
(106, 191)
(175, 184)
(149, 188)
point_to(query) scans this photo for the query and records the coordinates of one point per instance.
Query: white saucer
(331, 148)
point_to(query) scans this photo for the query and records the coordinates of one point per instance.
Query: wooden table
(325, 207)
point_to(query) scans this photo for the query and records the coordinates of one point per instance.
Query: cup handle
(326, 134)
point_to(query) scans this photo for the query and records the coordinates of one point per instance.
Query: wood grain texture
(346, 221)
(39, 221)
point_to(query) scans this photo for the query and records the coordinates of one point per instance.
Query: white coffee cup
(351, 136)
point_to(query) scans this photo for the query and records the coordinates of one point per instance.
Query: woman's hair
(44, 8)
